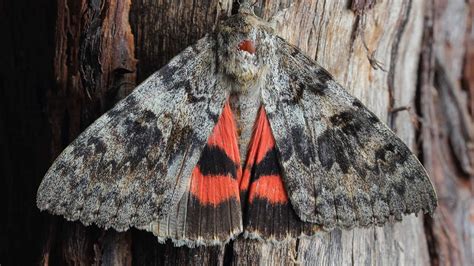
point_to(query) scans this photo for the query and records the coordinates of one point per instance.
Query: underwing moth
(239, 134)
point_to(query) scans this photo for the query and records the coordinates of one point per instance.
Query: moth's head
(245, 47)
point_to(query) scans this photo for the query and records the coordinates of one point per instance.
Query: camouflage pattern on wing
(209, 213)
(267, 212)
(135, 162)
(342, 167)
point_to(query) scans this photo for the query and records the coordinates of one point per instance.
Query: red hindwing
(214, 179)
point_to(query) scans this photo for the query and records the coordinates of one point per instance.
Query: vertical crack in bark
(320, 30)
(424, 86)
(393, 61)
(359, 6)
(458, 122)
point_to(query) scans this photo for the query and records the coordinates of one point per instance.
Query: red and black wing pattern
(210, 213)
(215, 203)
(268, 214)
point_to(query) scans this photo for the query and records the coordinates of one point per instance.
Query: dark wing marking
(342, 166)
(209, 213)
(268, 214)
(134, 163)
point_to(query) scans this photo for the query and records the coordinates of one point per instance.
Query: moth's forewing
(342, 166)
(133, 165)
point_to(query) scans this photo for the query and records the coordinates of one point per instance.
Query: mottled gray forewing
(341, 165)
(132, 164)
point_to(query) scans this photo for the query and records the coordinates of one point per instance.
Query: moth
(239, 133)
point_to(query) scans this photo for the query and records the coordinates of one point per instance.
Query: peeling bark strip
(94, 64)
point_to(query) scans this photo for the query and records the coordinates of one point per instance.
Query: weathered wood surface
(97, 50)
(446, 95)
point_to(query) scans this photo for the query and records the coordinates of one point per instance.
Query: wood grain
(448, 129)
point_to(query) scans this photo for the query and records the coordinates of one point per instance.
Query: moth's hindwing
(341, 165)
(135, 162)
(209, 213)
(268, 214)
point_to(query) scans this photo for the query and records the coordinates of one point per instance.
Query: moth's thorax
(245, 46)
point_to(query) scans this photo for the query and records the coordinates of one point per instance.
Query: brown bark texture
(66, 62)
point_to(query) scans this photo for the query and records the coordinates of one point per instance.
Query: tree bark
(409, 61)
(446, 95)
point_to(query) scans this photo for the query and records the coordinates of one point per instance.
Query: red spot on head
(248, 46)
